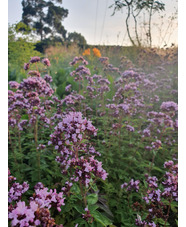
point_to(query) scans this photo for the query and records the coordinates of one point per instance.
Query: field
(93, 137)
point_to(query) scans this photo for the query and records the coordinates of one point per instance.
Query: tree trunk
(127, 25)
(136, 27)
(150, 18)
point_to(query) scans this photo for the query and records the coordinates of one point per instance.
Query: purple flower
(13, 84)
(156, 144)
(131, 185)
(26, 66)
(34, 59)
(68, 87)
(130, 128)
(16, 191)
(77, 59)
(168, 164)
(34, 73)
(46, 62)
(124, 185)
(104, 60)
(146, 132)
(169, 106)
(103, 81)
(48, 78)
(79, 72)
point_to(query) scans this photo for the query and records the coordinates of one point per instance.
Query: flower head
(34, 59)
(96, 52)
(46, 62)
(86, 52)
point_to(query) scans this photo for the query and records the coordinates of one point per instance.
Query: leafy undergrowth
(100, 150)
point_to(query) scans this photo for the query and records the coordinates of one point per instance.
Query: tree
(20, 49)
(118, 5)
(151, 6)
(134, 8)
(45, 17)
(77, 38)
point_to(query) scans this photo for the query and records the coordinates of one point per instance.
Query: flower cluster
(13, 84)
(34, 59)
(96, 52)
(87, 216)
(132, 185)
(130, 74)
(111, 68)
(23, 215)
(169, 106)
(46, 62)
(26, 99)
(37, 84)
(69, 138)
(84, 168)
(80, 72)
(73, 129)
(48, 78)
(171, 181)
(156, 144)
(146, 133)
(47, 199)
(26, 66)
(104, 60)
(86, 52)
(154, 195)
(139, 222)
(119, 109)
(77, 59)
(36, 213)
(34, 73)
(16, 191)
(149, 85)
(130, 128)
(68, 87)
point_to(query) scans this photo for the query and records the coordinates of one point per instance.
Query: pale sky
(92, 18)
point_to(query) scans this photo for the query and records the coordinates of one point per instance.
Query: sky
(92, 18)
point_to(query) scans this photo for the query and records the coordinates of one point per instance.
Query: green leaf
(174, 208)
(94, 187)
(80, 221)
(100, 218)
(92, 199)
(75, 188)
(92, 207)
(24, 117)
(79, 208)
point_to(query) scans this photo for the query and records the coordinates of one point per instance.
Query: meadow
(93, 137)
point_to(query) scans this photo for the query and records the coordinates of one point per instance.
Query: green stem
(15, 159)
(83, 194)
(36, 145)
(150, 169)
(9, 137)
(37, 67)
(119, 142)
(168, 212)
(20, 149)
(128, 200)
(12, 147)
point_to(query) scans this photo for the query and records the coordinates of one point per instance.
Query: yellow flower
(96, 52)
(86, 52)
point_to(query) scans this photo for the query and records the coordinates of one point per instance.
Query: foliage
(134, 9)
(45, 17)
(77, 38)
(103, 143)
(16, 59)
